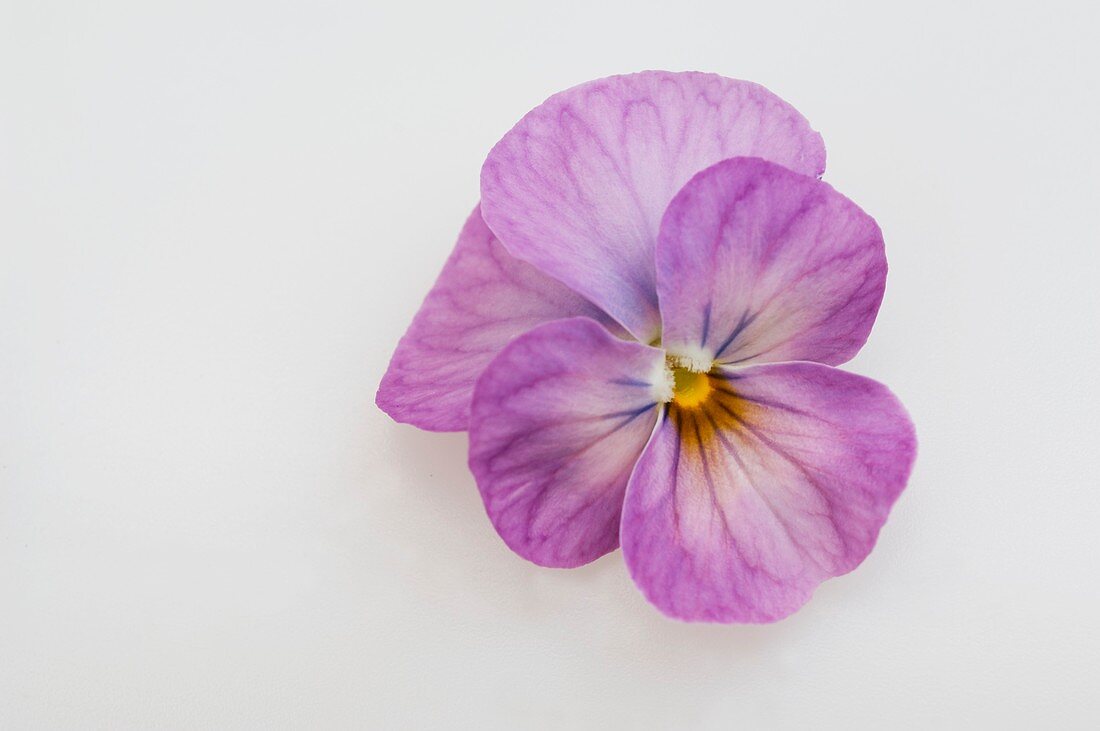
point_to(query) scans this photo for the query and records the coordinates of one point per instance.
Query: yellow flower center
(690, 389)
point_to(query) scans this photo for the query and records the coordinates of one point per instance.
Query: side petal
(559, 419)
(782, 478)
(483, 298)
(578, 186)
(756, 263)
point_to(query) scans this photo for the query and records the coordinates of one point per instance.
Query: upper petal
(559, 419)
(756, 263)
(483, 298)
(738, 509)
(578, 186)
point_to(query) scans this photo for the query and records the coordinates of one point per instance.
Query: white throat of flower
(689, 359)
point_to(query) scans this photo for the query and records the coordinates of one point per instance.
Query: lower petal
(558, 421)
(483, 298)
(780, 479)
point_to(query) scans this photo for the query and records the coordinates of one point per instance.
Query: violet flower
(638, 327)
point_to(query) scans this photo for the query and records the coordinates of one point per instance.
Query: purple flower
(639, 325)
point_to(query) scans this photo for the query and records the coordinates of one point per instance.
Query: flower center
(690, 389)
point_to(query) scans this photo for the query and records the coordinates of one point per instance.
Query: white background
(216, 221)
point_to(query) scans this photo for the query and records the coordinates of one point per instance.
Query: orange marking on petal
(704, 404)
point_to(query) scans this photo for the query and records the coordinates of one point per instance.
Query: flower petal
(756, 263)
(738, 509)
(578, 186)
(483, 298)
(558, 421)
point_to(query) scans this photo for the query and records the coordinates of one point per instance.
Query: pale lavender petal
(756, 263)
(780, 479)
(483, 298)
(558, 421)
(578, 187)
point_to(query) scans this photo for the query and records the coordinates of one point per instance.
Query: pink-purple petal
(558, 421)
(756, 263)
(483, 298)
(579, 185)
(737, 510)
